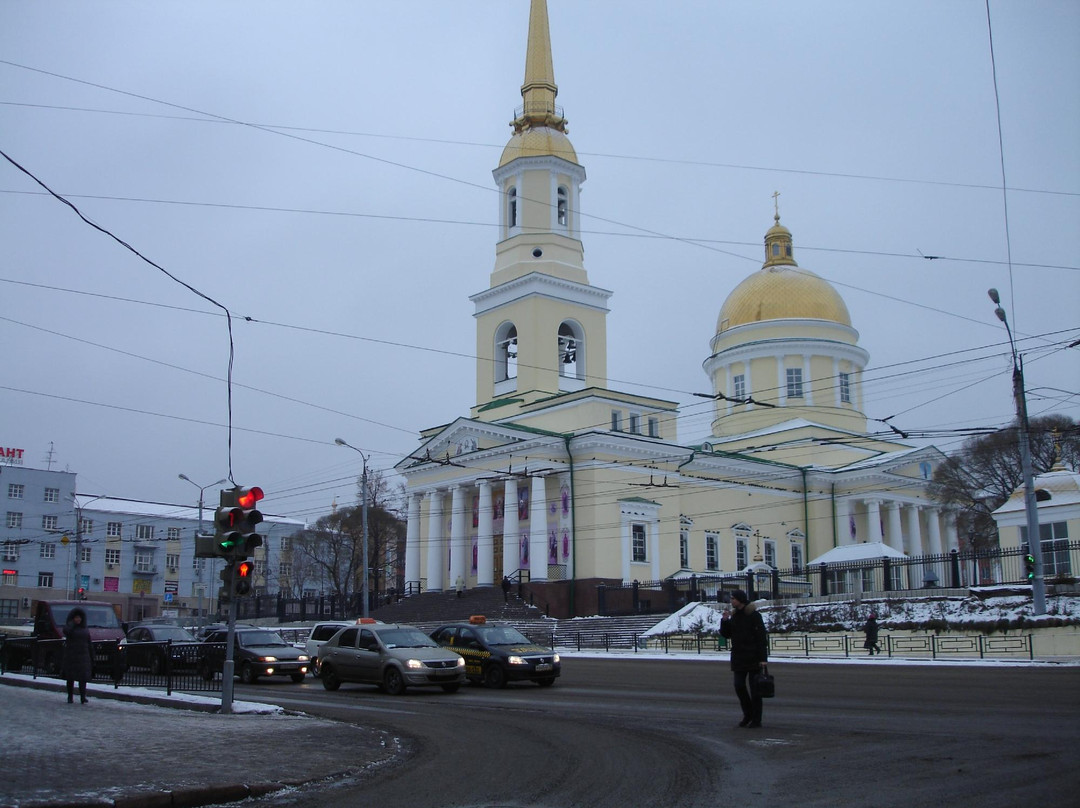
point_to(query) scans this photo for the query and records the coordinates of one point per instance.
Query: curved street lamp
(1038, 584)
(363, 494)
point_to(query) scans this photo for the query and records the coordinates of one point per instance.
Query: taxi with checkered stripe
(495, 653)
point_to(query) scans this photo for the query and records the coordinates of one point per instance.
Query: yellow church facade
(557, 480)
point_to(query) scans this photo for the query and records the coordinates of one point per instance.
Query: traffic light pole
(228, 666)
(1038, 582)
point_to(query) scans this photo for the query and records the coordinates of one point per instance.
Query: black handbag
(764, 683)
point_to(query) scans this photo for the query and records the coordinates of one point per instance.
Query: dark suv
(256, 652)
(496, 654)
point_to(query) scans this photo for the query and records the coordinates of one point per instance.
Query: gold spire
(539, 90)
(778, 246)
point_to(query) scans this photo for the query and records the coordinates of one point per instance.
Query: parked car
(496, 654)
(320, 633)
(257, 652)
(389, 655)
(146, 644)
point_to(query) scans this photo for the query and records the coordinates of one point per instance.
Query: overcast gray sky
(354, 215)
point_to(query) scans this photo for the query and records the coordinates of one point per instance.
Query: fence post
(775, 584)
(886, 574)
(824, 579)
(847, 646)
(601, 600)
(954, 559)
(933, 646)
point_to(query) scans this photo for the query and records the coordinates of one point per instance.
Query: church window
(635, 423)
(654, 427)
(571, 351)
(787, 250)
(738, 384)
(845, 388)
(794, 383)
(506, 353)
(563, 206)
(684, 549)
(616, 421)
(776, 249)
(511, 208)
(740, 553)
(712, 559)
(796, 556)
(637, 532)
(769, 546)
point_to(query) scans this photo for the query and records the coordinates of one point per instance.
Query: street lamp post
(201, 489)
(78, 541)
(1038, 583)
(364, 496)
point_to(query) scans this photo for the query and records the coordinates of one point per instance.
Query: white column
(485, 539)
(412, 542)
(538, 534)
(843, 522)
(952, 538)
(436, 560)
(913, 541)
(511, 528)
(934, 529)
(873, 518)
(896, 533)
(457, 535)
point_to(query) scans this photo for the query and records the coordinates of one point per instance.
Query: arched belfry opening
(571, 350)
(506, 353)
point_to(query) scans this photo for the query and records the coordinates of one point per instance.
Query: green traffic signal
(1029, 566)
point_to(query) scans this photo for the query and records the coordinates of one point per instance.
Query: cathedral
(558, 480)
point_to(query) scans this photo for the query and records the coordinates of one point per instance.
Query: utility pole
(364, 515)
(1038, 583)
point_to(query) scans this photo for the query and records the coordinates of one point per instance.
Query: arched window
(563, 206)
(506, 352)
(511, 207)
(571, 351)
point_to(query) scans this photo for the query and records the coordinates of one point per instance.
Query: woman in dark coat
(78, 654)
(749, 653)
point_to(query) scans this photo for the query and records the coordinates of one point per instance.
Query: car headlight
(515, 660)
(268, 659)
(303, 658)
(556, 659)
(460, 662)
(414, 664)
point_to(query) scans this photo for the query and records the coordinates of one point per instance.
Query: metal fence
(952, 570)
(166, 665)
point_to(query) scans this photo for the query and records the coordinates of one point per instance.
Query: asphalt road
(661, 733)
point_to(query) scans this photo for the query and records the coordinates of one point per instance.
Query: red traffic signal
(242, 580)
(247, 497)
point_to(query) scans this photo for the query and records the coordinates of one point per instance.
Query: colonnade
(900, 525)
(518, 525)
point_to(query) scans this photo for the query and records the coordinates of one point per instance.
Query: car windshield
(405, 638)
(174, 633)
(260, 638)
(503, 635)
(96, 616)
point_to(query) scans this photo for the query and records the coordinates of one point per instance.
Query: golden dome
(780, 293)
(780, 290)
(538, 142)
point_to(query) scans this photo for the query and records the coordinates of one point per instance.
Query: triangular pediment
(466, 436)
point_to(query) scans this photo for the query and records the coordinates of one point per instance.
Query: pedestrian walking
(506, 588)
(743, 626)
(871, 629)
(78, 654)
(459, 584)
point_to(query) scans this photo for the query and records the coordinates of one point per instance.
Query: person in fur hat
(743, 626)
(78, 654)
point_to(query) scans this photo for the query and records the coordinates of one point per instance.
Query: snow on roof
(1062, 485)
(863, 551)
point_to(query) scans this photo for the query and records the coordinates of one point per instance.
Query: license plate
(544, 666)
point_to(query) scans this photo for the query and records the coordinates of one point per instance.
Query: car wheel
(451, 688)
(315, 668)
(546, 682)
(247, 675)
(393, 682)
(297, 677)
(205, 672)
(329, 678)
(156, 666)
(494, 676)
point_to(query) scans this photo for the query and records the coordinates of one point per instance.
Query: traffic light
(225, 592)
(246, 500)
(235, 521)
(242, 578)
(81, 594)
(1029, 566)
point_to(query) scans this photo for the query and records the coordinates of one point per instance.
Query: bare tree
(987, 470)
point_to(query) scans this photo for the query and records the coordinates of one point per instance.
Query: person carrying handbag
(743, 626)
